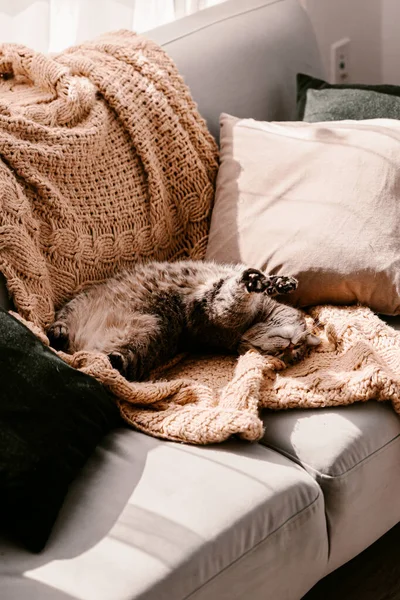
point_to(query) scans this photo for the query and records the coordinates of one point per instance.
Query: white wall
(391, 41)
(361, 21)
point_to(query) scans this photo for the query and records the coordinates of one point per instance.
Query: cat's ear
(313, 340)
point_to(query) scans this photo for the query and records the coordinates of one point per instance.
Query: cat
(144, 316)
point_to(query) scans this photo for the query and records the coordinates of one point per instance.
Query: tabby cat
(142, 317)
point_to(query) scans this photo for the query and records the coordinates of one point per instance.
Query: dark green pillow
(318, 100)
(51, 419)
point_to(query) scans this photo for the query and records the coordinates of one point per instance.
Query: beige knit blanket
(207, 399)
(104, 161)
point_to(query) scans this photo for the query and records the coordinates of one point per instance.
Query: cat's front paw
(254, 280)
(278, 284)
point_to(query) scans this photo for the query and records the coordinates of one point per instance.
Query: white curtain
(52, 25)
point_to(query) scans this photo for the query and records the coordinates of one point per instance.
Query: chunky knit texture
(203, 400)
(105, 160)
(358, 360)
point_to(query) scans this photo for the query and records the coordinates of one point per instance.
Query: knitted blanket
(104, 161)
(207, 399)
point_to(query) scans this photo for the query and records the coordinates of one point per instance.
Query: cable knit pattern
(358, 360)
(104, 160)
(204, 400)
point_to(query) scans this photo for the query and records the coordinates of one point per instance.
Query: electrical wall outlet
(340, 61)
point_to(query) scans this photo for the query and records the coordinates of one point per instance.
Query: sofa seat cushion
(353, 452)
(156, 520)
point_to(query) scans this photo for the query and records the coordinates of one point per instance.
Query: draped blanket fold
(104, 161)
(207, 399)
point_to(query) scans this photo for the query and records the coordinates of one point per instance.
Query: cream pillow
(320, 201)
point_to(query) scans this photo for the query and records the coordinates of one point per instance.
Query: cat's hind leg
(143, 349)
(58, 335)
(125, 360)
(58, 331)
(139, 355)
(149, 340)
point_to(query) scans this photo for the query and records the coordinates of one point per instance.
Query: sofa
(154, 520)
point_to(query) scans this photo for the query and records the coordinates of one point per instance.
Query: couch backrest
(242, 56)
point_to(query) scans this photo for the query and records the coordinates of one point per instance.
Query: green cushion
(319, 101)
(51, 419)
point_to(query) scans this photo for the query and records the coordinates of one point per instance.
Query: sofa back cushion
(243, 57)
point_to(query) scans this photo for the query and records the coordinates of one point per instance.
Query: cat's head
(286, 334)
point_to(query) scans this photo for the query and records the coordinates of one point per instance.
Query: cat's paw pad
(281, 285)
(58, 335)
(119, 361)
(254, 280)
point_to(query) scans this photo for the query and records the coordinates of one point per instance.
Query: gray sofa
(153, 520)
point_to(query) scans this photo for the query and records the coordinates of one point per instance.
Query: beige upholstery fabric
(162, 521)
(354, 454)
(318, 201)
(242, 57)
